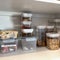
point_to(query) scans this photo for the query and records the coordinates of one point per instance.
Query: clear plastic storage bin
(29, 43)
(9, 45)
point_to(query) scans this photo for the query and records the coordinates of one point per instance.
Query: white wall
(41, 19)
(7, 21)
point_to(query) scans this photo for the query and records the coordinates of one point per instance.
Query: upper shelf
(44, 6)
(50, 1)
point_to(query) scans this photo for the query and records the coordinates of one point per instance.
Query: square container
(8, 48)
(29, 43)
(9, 45)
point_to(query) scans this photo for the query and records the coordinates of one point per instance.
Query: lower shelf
(19, 51)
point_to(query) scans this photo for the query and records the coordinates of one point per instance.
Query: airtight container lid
(27, 15)
(26, 22)
(31, 39)
(53, 35)
(27, 30)
(49, 27)
(41, 27)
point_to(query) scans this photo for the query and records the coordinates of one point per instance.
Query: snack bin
(8, 34)
(8, 48)
(9, 45)
(29, 43)
(52, 41)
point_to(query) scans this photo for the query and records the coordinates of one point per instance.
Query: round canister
(49, 29)
(52, 41)
(41, 35)
(59, 37)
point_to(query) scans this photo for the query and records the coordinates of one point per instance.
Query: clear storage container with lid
(50, 29)
(52, 40)
(29, 43)
(41, 35)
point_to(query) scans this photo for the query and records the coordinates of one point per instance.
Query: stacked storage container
(28, 39)
(8, 41)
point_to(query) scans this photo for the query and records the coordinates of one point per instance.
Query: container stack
(8, 41)
(28, 39)
(26, 22)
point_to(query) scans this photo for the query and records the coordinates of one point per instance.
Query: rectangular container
(29, 43)
(9, 45)
(8, 48)
(8, 34)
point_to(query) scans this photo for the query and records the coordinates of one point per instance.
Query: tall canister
(41, 33)
(52, 41)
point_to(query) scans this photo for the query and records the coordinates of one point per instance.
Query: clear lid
(50, 27)
(41, 27)
(52, 35)
(27, 15)
(27, 30)
(26, 22)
